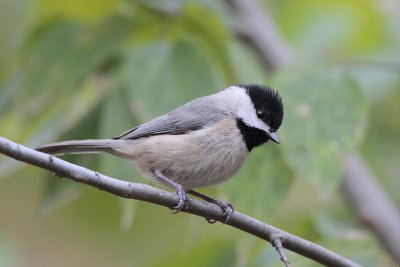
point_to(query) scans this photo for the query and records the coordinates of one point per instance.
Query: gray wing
(190, 117)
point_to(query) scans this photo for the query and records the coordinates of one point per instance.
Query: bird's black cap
(268, 102)
(269, 108)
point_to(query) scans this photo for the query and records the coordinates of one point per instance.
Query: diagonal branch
(256, 27)
(154, 195)
(373, 206)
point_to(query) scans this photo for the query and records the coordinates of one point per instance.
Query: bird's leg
(180, 191)
(227, 208)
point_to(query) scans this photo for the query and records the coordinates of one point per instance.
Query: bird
(201, 143)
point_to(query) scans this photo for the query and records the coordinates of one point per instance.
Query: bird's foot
(180, 191)
(183, 200)
(226, 208)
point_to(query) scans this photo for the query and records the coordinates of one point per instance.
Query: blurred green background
(93, 69)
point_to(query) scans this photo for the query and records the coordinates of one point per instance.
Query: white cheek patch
(246, 110)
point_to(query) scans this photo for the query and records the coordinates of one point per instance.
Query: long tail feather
(82, 146)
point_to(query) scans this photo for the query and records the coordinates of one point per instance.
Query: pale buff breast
(201, 158)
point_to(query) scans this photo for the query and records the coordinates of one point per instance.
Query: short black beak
(274, 137)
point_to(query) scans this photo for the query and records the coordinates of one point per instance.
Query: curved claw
(228, 209)
(182, 202)
(180, 191)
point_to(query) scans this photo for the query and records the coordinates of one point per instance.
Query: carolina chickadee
(201, 143)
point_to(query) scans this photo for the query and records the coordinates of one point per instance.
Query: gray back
(194, 115)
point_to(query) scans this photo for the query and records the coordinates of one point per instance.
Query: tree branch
(154, 195)
(256, 27)
(372, 204)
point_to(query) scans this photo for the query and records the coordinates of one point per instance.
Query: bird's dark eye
(260, 114)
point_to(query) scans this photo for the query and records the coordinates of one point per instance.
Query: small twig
(276, 241)
(154, 195)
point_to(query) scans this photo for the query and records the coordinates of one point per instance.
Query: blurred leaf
(45, 102)
(194, 22)
(204, 27)
(342, 233)
(324, 121)
(51, 122)
(261, 184)
(179, 73)
(10, 251)
(359, 246)
(11, 38)
(333, 28)
(247, 67)
(302, 200)
(57, 193)
(377, 79)
(206, 253)
(382, 143)
(170, 7)
(68, 53)
(88, 10)
(128, 210)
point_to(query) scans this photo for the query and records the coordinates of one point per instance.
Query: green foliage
(334, 29)
(175, 82)
(262, 183)
(382, 141)
(93, 69)
(324, 121)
